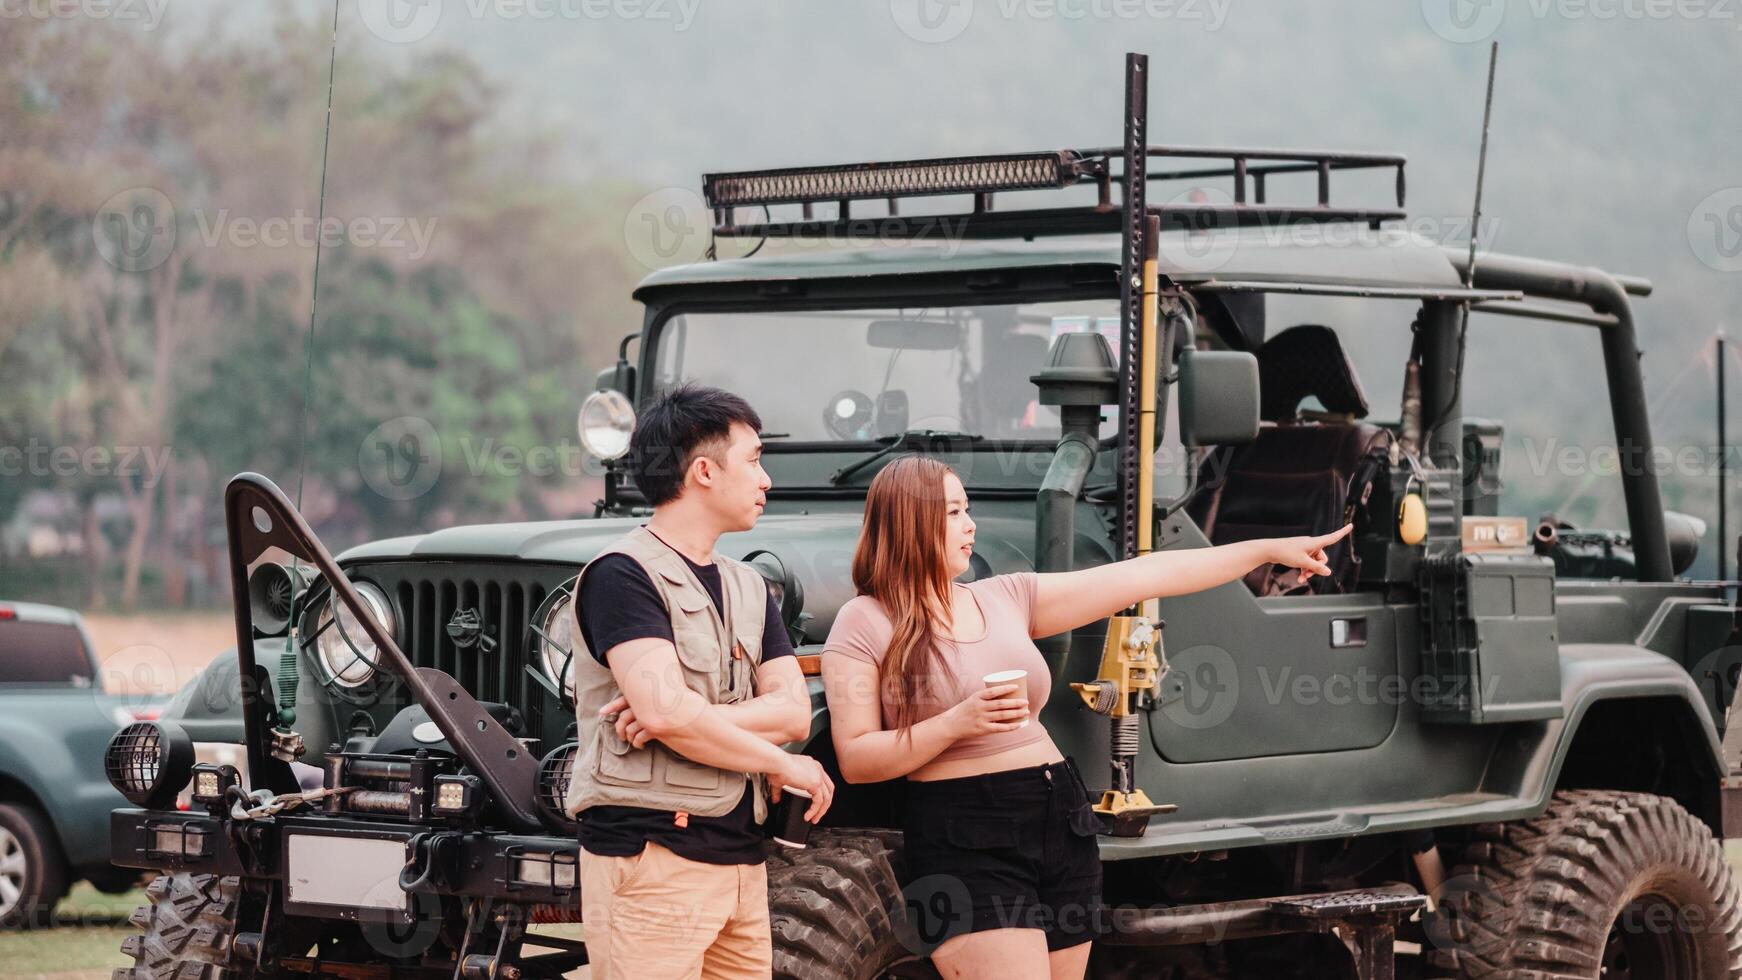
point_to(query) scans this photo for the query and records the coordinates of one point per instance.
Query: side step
(1363, 919)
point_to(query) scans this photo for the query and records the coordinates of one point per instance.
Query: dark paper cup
(791, 828)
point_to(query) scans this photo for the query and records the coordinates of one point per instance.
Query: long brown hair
(900, 562)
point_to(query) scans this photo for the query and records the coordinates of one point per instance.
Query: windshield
(832, 376)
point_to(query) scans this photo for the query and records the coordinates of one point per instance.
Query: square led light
(552, 870)
(211, 782)
(534, 869)
(181, 839)
(451, 796)
(562, 871)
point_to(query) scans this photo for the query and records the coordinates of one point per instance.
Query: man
(685, 687)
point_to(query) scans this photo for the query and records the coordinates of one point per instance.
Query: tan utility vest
(718, 656)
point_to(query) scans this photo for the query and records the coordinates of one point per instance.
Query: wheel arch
(16, 790)
(1657, 740)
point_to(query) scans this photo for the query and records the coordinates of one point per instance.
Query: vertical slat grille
(466, 660)
(531, 695)
(445, 650)
(488, 666)
(505, 597)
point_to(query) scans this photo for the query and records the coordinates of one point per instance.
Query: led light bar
(859, 181)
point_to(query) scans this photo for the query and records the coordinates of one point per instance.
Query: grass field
(88, 951)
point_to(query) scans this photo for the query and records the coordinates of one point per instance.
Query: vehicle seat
(1301, 475)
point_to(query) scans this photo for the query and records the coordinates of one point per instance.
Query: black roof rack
(982, 177)
(1136, 221)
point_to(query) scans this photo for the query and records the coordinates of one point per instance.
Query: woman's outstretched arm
(1067, 600)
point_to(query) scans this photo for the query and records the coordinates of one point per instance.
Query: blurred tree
(158, 203)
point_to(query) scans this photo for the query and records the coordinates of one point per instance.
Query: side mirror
(1684, 532)
(620, 378)
(1218, 397)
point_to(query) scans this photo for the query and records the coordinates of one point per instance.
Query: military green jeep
(1484, 746)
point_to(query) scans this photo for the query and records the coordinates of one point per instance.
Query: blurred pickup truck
(55, 721)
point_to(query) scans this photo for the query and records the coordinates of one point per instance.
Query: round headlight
(351, 664)
(783, 585)
(554, 649)
(553, 785)
(150, 762)
(606, 422)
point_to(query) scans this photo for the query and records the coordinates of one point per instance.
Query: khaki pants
(658, 916)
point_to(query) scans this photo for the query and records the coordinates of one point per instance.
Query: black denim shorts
(1004, 850)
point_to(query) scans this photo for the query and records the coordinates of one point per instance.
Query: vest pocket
(621, 762)
(680, 771)
(703, 662)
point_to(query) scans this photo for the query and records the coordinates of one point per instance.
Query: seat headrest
(1303, 360)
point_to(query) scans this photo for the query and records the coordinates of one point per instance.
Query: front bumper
(463, 863)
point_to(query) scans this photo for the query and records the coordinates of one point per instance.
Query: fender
(52, 744)
(1609, 673)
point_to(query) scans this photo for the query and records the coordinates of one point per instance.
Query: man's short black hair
(688, 420)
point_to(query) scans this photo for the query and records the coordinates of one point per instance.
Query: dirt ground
(156, 654)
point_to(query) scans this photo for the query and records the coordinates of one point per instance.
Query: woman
(1000, 839)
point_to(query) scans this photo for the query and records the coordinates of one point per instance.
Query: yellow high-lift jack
(1132, 661)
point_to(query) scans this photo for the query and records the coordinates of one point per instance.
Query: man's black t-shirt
(619, 603)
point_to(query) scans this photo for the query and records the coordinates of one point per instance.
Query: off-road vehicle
(1486, 746)
(55, 719)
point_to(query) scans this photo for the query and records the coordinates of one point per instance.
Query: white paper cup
(794, 829)
(1017, 677)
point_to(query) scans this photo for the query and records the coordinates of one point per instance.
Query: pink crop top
(863, 630)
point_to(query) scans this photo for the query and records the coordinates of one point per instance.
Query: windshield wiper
(929, 440)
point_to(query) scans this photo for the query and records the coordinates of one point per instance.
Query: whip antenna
(287, 666)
